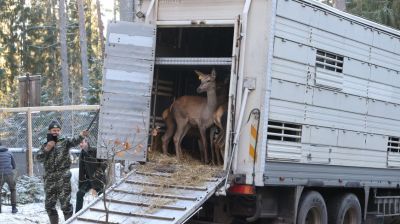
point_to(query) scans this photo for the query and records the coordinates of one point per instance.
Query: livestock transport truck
(313, 120)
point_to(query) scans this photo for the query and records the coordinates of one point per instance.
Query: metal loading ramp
(147, 197)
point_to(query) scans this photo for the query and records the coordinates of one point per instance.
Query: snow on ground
(28, 213)
(30, 192)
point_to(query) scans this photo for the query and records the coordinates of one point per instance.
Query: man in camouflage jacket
(57, 176)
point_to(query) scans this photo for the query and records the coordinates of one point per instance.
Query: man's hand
(50, 145)
(93, 192)
(85, 133)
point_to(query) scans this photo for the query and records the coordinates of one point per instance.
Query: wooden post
(29, 157)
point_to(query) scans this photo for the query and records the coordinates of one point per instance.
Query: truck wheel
(312, 209)
(345, 210)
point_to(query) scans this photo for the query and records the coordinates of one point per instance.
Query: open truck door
(127, 84)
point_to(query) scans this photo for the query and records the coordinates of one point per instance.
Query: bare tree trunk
(126, 10)
(101, 28)
(84, 57)
(340, 4)
(64, 53)
(115, 10)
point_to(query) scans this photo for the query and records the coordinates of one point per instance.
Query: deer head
(207, 81)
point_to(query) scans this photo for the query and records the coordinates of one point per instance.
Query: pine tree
(11, 18)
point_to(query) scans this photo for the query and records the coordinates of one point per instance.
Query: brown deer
(218, 140)
(192, 111)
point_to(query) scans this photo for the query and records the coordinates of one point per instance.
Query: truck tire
(345, 210)
(312, 209)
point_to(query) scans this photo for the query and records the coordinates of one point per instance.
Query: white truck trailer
(313, 128)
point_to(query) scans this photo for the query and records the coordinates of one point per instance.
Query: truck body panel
(320, 89)
(127, 85)
(328, 82)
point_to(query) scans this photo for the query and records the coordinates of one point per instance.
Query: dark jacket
(58, 159)
(7, 162)
(91, 169)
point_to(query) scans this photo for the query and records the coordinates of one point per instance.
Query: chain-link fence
(16, 126)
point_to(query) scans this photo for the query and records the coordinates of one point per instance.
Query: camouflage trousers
(57, 186)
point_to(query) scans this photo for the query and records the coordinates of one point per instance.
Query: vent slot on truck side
(329, 70)
(284, 131)
(393, 148)
(284, 141)
(329, 61)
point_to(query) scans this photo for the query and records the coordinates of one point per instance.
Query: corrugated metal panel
(319, 19)
(286, 49)
(393, 159)
(288, 91)
(358, 157)
(319, 135)
(192, 10)
(328, 78)
(332, 42)
(295, 12)
(356, 69)
(355, 86)
(316, 154)
(351, 139)
(376, 142)
(290, 71)
(280, 150)
(286, 111)
(385, 59)
(127, 84)
(320, 116)
(386, 42)
(291, 174)
(385, 76)
(339, 101)
(343, 147)
(378, 91)
(383, 109)
(146, 197)
(382, 126)
(292, 30)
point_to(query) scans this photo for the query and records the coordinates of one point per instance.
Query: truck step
(387, 206)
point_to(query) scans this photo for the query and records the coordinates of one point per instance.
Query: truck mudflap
(148, 197)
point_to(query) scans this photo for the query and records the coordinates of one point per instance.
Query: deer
(192, 111)
(218, 140)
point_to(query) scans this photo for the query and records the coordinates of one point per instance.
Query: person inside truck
(91, 173)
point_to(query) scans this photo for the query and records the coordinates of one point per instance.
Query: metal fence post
(29, 159)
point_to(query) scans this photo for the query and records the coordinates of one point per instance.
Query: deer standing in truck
(192, 111)
(218, 139)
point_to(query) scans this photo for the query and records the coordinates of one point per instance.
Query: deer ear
(200, 74)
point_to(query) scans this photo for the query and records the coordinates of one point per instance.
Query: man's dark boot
(53, 219)
(14, 209)
(53, 216)
(67, 215)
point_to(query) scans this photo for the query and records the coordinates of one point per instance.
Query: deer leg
(166, 138)
(212, 145)
(179, 134)
(220, 142)
(201, 147)
(204, 140)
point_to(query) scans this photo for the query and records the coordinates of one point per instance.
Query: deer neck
(211, 100)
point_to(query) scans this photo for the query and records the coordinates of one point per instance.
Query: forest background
(30, 42)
